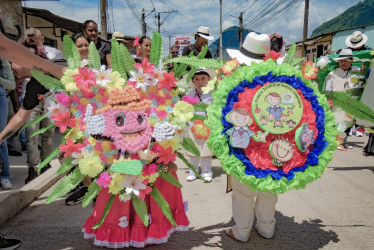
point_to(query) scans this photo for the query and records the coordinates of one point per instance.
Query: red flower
(309, 71)
(199, 130)
(136, 41)
(166, 155)
(86, 78)
(229, 66)
(147, 67)
(70, 148)
(150, 169)
(168, 81)
(147, 190)
(272, 55)
(63, 120)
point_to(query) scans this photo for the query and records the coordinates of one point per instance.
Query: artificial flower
(136, 41)
(183, 86)
(124, 197)
(229, 66)
(150, 169)
(210, 86)
(118, 81)
(84, 63)
(309, 71)
(168, 81)
(74, 134)
(53, 108)
(63, 99)
(166, 155)
(85, 78)
(183, 111)
(90, 165)
(272, 55)
(144, 191)
(199, 130)
(133, 184)
(159, 71)
(103, 76)
(353, 79)
(323, 61)
(63, 120)
(115, 184)
(68, 79)
(70, 147)
(104, 180)
(147, 67)
(140, 79)
(190, 99)
(77, 156)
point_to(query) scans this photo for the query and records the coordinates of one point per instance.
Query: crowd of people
(19, 103)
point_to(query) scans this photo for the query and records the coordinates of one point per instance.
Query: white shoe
(191, 177)
(359, 134)
(207, 178)
(346, 146)
(6, 184)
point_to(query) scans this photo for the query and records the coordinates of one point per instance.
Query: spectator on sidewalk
(356, 41)
(174, 52)
(201, 39)
(50, 52)
(91, 31)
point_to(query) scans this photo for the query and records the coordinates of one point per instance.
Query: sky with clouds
(189, 15)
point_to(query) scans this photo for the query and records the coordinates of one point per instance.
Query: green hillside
(358, 15)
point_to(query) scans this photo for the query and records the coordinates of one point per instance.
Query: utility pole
(144, 25)
(240, 30)
(305, 32)
(220, 30)
(158, 22)
(103, 6)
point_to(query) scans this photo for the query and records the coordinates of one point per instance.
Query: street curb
(19, 199)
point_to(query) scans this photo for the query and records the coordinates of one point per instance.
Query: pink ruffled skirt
(123, 227)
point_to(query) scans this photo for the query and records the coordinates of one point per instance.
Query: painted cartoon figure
(291, 123)
(275, 109)
(240, 134)
(304, 137)
(281, 150)
(123, 119)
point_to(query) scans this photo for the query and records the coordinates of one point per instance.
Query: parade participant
(201, 39)
(204, 161)
(247, 203)
(91, 31)
(340, 79)
(143, 48)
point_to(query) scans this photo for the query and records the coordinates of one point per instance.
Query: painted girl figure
(240, 134)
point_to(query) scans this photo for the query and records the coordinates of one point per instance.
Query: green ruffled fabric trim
(219, 144)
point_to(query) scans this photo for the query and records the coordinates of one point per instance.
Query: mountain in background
(358, 15)
(230, 41)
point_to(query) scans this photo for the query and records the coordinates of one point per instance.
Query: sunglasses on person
(175, 52)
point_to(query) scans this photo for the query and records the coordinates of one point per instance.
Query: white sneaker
(191, 177)
(208, 178)
(359, 134)
(6, 184)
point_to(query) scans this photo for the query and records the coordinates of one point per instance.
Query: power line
(72, 1)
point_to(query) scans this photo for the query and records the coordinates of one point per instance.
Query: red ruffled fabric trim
(135, 234)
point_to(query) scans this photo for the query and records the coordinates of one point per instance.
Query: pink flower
(166, 155)
(63, 120)
(88, 94)
(160, 100)
(85, 79)
(147, 67)
(150, 169)
(70, 148)
(63, 99)
(272, 55)
(190, 99)
(136, 41)
(75, 98)
(104, 180)
(168, 81)
(146, 190)
(162, 114)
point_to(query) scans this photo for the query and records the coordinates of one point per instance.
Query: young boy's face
(200, 80)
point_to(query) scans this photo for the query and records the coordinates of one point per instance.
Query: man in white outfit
(247, 203)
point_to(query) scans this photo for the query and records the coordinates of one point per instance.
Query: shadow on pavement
(353, 168)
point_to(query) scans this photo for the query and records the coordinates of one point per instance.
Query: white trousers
(245, 207)
(205, 163)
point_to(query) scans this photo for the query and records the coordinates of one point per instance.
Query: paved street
(334, 212)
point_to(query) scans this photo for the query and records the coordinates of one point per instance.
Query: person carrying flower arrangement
(198, 132)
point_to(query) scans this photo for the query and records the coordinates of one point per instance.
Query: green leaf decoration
(290, 54)
(198, 63)
(156, 48)
(66, 185)
(30, 123)
(47, 81)
(182, 68)
(76, 56)
(92, 192)
(106, 211)
(297, 62)
(65, 166)
(141, 209)
(48, 159)
(350, 105)
(68, 43)
(189, 145)
(41, 131)
(198, 117)
(93, 57)
(188, 164)
(171, 179)
(163, 204)
(200, 107)
(191, 73)
(128, 59)
(354, 91)
(118, 60)
(358, 73)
